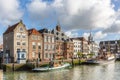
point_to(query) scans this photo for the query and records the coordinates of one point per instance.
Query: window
(23, 56)
(18, 50)
(33, 45)
(33, 54)
(39, 47)
(57, 33)
(18, 43)
(46, 47)
(21, 29)
(24, 43)
(23, 35)
(18, 35)
(18, 55)
(45, 39)
(63, 39)
(46, 55)
(48, 38)
(34, 37)
(57, 38)
(51, 47)
(62, 34)
(52, 39)
(24, 50)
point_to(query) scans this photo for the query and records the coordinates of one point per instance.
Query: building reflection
(1, 75)
(83, 72)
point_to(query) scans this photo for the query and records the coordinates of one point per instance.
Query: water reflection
(84, 72)
(1, 75)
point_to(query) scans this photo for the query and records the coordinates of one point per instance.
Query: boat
(117, 56)
(44, 69)
(108, 59)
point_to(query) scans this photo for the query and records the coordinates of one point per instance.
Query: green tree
(91, 55)
(79, 56)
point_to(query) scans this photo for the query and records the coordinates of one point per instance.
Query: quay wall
(30, 66)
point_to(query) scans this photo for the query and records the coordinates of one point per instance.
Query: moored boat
(44, 69)
(108, 59)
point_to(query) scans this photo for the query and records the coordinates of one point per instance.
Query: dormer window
(57, 33)
(62, 34)
(21, 29)
(57, 38)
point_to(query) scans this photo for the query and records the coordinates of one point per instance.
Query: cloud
(9, 11)
(1, 39)
(85, 35)
(72, 34)
(99, 35)
(75, 14)
(115, 27)
(96, 35)
(40, 12)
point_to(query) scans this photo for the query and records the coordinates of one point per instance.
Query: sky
(76, 17)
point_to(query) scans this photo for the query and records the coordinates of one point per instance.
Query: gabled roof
(33, 31)
(11, 28)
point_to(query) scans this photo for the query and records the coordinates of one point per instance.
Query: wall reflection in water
(83, 72)
(1, 75)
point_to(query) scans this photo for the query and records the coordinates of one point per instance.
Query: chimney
(58, 28)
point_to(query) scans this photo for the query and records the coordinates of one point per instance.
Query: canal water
(83, 72)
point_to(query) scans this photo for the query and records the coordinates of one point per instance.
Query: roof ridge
(11, 28)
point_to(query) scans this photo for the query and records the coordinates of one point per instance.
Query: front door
(39, 56)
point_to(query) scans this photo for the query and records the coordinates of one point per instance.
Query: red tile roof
(11, 28)
(33, 31)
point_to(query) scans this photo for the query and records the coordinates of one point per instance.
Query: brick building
(85, 47)
(35, 45)
(64, 45)
(48, 50)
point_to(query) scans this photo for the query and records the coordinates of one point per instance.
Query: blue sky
(76, 17)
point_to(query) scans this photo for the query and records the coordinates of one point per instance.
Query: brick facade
(48, 44)
(35, 45)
